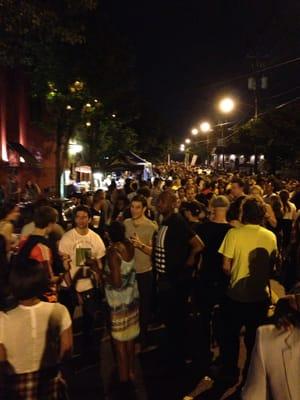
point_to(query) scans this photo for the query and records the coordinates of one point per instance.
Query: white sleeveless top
(31, 335)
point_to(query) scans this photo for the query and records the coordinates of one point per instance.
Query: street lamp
(205, 127)
(194, 131)
(75, 148)
(187, 141)
(226, 105)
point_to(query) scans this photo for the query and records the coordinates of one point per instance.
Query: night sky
(189, 52)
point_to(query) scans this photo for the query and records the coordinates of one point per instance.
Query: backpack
(31, 242)
(24, 254)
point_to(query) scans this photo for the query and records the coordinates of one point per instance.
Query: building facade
(26, 151)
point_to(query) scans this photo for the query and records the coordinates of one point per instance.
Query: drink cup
(96, 221)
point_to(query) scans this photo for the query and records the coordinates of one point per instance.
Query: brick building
(25, 150)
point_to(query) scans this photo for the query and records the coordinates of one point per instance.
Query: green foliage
(105, 138)
(61, 42)
(28, 28)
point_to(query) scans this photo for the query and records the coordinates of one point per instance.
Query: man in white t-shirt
(86, 249)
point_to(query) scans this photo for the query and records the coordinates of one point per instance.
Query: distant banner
(194, 160)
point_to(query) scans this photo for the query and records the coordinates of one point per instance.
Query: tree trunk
(93, 155)
(58, 160)
(63, 135)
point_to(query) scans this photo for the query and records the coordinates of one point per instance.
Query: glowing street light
(226, 105)
(187, 141)
(182, 147)
(88, 123)
(205, 127)
(194, 131)
(75, 148)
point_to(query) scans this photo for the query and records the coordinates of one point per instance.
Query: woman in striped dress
(122, 297)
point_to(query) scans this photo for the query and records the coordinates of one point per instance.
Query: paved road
(92, 374)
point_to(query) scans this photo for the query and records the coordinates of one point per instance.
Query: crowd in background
(186, 243)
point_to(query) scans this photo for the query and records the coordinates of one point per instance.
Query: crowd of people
(186, 245)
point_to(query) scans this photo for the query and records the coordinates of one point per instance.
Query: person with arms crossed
(140, 231)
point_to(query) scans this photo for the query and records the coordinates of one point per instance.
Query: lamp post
(183, 149)
(205, 127)
(226, 106)
(186, 150)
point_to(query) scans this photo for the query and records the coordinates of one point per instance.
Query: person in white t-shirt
(35, 337)
(86, 249)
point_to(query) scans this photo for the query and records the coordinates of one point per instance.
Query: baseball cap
(195, 207)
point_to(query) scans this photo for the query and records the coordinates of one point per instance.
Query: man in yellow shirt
(249, 254)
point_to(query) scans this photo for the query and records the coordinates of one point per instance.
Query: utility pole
(256, 83)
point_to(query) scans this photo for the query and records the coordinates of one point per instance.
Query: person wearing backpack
(38, 247)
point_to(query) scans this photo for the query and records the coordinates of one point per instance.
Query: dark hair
(7, 208)
(112, 185)
(277, 206)
(141, 199)
(43, 216)
(76, 195)
(284, 312)
(156, 181)
(253, 210)
(143, 183)
(195, 207)
(183, 181)
(198, 180)
(84, 209)
(284, 196)
(116, 232)
(98, 196)
(239, 181)
(134, 186)
(168, 184)
(28, 280)
(41, 202)
(144, 191)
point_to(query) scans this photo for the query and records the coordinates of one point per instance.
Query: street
(93, 376)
